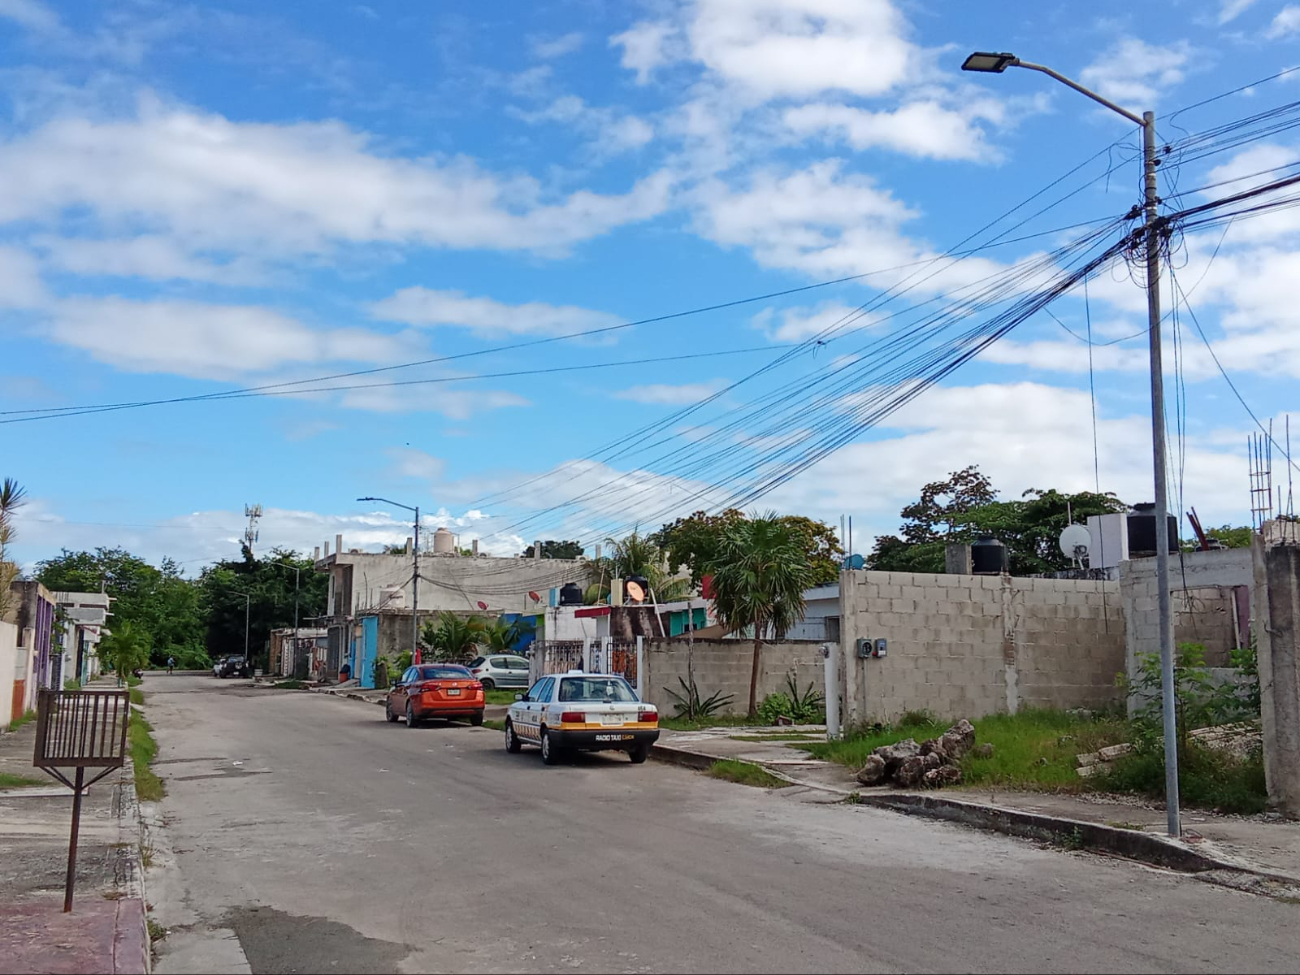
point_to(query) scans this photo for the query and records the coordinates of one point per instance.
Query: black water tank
(988, 556)
(571, 594)
(1142, 531)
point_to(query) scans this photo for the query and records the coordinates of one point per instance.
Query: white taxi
(586, 712)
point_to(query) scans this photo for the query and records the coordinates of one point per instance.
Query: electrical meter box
(882, 648)
(864, 648)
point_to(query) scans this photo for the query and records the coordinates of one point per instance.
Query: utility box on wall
(864, 646)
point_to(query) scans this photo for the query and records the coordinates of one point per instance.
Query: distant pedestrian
(171, 663)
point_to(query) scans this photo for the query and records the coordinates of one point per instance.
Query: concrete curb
(132, 949)
(684, 757)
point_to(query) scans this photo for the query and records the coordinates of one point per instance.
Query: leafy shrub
(404, 660)
(917, 719)
(803, 707)
(1207, 778)
(775, 706)
(1199, 700)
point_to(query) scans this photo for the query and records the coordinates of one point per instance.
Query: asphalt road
(304, 834)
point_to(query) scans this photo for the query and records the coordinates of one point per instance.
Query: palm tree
(759, 578)
(12, 497)
(126, 648)
(641, 555)
(502, 635)
(453, 638)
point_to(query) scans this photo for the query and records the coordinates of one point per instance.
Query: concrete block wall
(725, 665)
(1202, 618)
(966, 646)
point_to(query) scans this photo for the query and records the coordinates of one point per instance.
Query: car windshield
(444, 673)
(596, 689)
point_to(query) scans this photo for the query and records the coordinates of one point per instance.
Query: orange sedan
(443, 691)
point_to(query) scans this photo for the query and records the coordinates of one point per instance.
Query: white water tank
(444, 542)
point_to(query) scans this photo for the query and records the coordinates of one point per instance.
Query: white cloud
(797, 324)
(1230, 10)
(20, 279)
(32, 14)
(557, 47)
(612, 133)
(486, 316)
(209, 341)
(1286, 22)
(1133, 72)
(798, 48)
(455, 404)
(919, 128)
(416, 464)
(668, 394)
(644, 47)
(149, 256)
(307, 186)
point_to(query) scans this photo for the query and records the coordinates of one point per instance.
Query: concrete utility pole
(415, 576)
(297, 581)
(995, 64)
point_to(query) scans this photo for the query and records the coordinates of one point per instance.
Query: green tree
(760, 572)
(552, 549)
(269, 584)
(694, 542)
(501, 635)
(126, 648)
(453, 638)
(158, 602)
(641, 555)
(1228, 536)
(965, 507)
(12, 497)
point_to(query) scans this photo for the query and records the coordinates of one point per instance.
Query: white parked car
(584, 712)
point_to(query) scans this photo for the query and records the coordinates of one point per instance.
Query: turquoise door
(369, 651)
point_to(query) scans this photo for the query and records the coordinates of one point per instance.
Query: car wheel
(476, 719)
(410, 716)
(639, 754)
(388, 712)
(488, 684)
(550, 753)
(513, 745)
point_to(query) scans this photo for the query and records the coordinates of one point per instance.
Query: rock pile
(932, 763)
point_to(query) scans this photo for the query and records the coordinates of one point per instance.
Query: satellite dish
(482, 605)
(534, 597)
(1075, 542)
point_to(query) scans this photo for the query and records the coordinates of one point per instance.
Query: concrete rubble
(932, 763)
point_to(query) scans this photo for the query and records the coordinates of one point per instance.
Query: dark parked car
(234, 667)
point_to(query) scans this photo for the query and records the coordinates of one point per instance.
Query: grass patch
(745, 773)
(290, 685)
(10, 781)
(1206, 778)
(1034, 749)
(499, 696)
(494, 724)
(139, 737)
(156, 931)
(17, 723)
(133, 681)
(137, 696)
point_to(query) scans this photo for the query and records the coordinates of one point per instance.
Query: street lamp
(415, 577)
(989, 63)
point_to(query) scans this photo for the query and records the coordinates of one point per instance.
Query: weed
(1073, 840)
(853, 798)
(712, 721)
(17, 723)
(917, 719)
(1206, 778)
(10, 781)
(156, 931)
(148, 787)
(746, 773)
(494, 725)
(1120, 824)
(146, 855)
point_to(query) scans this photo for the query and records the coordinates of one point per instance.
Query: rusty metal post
(71, 883)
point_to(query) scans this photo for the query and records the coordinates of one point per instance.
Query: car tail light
(576, 717)
(650, 716)
(476, 685)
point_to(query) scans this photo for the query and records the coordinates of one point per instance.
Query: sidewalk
(1265, 846)
(106, 931)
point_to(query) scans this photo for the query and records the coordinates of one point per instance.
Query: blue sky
(195, 199)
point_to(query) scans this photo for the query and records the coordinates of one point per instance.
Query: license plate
(611, 719)
(453, 692)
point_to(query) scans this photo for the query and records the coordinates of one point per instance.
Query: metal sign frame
(80, 730)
